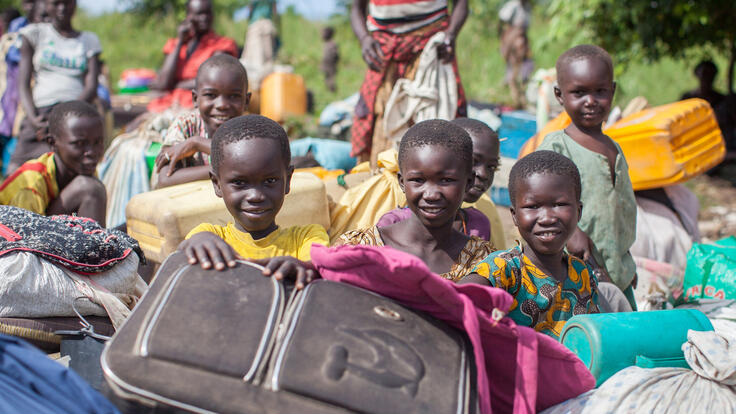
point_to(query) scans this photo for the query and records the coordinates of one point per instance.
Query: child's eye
(448, 180)
(271, 180)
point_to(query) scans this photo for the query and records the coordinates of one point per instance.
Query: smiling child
(549, 286)
(469, 220)
(435, 173)
(251, 171)
(63, 181)
(607, 228)
(220, 94)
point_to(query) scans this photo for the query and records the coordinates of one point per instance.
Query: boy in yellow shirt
(63, 181)
(251, 171)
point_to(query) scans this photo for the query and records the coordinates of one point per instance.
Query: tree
(649, 29)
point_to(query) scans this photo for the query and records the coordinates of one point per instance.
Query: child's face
(485, 163)
(253, 180)
(221, 95)
(435, 183)
(586, 90)
(80, 144)
(546, 212)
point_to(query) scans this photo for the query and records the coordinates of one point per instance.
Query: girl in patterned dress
(549, 286)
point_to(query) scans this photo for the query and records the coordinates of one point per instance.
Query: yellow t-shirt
(32, 186)
(293, 241)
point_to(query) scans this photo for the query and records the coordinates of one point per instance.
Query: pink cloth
(477, 224)
(524, 371)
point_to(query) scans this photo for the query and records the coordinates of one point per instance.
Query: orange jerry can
(664, 145)
(283, 95)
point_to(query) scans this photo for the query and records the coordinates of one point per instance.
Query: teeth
(547, 234)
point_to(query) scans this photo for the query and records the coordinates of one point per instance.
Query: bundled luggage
(260, 346)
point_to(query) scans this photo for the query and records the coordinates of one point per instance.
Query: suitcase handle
(87, 328)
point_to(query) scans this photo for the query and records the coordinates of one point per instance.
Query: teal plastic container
(610, 342)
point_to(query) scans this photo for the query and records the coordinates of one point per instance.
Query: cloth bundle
(710, 387)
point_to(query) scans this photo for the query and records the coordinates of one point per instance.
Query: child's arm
(183, 175)
(289, 267)
(173, 155)
(207, 249)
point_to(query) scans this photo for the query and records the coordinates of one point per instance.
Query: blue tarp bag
(30, 382)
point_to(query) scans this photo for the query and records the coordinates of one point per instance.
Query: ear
(247, 99)
(50, 140)
(613, 93)
(216, 183)
(194, 97)
(471, 180)
(401, 182)
(289, 173)
(513, 215)
(580, 210)
(558, 95)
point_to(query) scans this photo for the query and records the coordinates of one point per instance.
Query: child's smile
(253, 181)
(546, 212)
(435, 183)
(586, 91)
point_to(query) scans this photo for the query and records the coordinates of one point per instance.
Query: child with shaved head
(607, 227)
(220, 94)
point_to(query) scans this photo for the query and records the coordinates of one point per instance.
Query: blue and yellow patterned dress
(540, 301)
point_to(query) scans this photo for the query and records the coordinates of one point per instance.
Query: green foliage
(646, 30)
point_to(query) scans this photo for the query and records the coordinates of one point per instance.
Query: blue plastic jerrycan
(610, 342)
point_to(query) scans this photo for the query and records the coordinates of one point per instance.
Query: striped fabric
(401, 16)
(32, 186)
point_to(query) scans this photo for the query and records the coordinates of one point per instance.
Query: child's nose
(254, 195)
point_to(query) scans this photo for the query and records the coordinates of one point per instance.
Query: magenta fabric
(477, 224)
(519, 370)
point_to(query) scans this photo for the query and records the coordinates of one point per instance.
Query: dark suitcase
(236, 341)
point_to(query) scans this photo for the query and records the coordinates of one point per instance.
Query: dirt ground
(717, 197)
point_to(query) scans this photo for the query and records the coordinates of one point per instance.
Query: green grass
(128, 42)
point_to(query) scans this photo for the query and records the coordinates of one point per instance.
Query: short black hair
(583, 52)
(442, 133)
(222, 60)
(247, 127)
(64, 110)
(328, 32)
(544, 162)
(706, 65)
(476, 127)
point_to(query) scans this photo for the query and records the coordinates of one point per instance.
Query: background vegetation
(647, 63)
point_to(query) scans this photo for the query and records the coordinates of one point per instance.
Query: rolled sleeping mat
(610, 342)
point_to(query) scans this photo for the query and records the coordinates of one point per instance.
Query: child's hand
(171, 155)
(580, 245)
(289, 267)
(208, 249)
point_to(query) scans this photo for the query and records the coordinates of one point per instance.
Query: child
(485, 163)
(607, 228)
(435, 173)
(548, 285)
(63, 181)
(220, 93)
(251, 171)
(330, 58)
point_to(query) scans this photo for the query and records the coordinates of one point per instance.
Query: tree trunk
(731, 63)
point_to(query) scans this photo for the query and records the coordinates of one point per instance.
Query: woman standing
(64, 64)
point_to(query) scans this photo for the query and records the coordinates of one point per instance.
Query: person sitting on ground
(549, 286)
(195, 42)
(435, 173)
(63, 181)
(607, 228)
(64, 64)
(220, 94)
(251, 171)
(469, 220)
(330, 58)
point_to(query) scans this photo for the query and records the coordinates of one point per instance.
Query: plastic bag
(711, 270)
